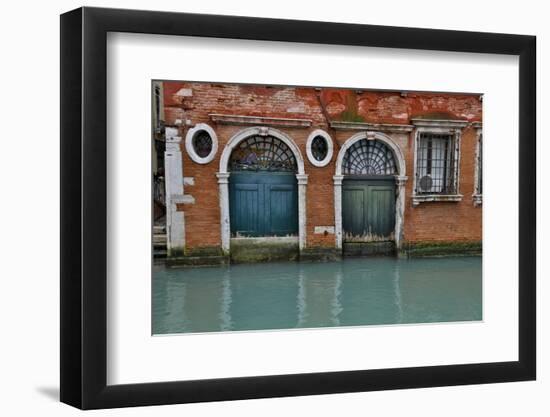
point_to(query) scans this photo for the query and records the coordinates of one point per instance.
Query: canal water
(353, 292)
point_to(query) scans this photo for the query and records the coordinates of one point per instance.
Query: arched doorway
(263, 191)
(368, 197)
(369, 194)
(274, 147)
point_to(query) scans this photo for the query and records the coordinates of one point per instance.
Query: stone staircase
(159, 240)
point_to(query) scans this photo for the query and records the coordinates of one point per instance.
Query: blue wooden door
(263, 204)
(368, 210)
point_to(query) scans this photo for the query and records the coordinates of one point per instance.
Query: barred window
(436, 164)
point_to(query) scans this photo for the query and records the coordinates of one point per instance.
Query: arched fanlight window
(262, 153)
(369, 157)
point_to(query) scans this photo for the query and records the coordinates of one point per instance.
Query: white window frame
(445, 127)
(189, 143)
(477, 196)
(330, 145)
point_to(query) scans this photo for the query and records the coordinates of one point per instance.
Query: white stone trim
(338, 210)
(302, 189)
(236, 119)
(449, 127)
(223, 181)
(262, 131)
(175, 221)
(183, 199)
(400, 181)
(321, 230)
(189, 143)
(477, 197)
(446, 124)
(380, 127)
(423, 198)
(330, 144)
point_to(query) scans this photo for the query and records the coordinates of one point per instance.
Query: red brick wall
(446, 221)
(433, 221)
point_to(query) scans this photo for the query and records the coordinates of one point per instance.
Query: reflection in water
(318, 295)
(296, 295)
(397, 295)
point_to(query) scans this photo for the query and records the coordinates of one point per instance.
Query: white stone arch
(400, 180)
(223, 181)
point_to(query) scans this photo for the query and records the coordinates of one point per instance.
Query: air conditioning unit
(425, 183)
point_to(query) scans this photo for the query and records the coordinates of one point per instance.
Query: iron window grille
(319, 148)
(436, 164)
(263, 153)
(157, 107)
(202, 143)
(158, 122)
(369, 157)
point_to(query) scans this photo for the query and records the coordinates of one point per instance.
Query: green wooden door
(263, 204)
(368, 210)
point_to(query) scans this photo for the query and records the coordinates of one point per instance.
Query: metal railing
(159, 192)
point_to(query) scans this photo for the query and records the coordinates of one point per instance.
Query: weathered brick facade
(188, 103)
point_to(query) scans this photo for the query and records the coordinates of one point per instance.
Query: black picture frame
(84, 207)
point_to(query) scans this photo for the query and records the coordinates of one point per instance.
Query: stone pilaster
(302, 189)
(223, 183)
(338, 210)
(175, 222)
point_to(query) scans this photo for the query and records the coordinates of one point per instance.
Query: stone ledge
(182, 199)
(234, 119)
(381, 127)
(417, 199)
(458, 124)
(478, 199)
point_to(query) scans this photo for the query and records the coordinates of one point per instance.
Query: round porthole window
(319, 148)
(201, 143)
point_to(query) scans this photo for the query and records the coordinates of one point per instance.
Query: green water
(352, 292)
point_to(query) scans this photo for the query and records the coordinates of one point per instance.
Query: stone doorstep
(196, 261)
(369, 248)
(246, 250)
(320, 255)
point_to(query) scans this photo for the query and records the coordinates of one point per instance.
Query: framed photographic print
(257, 208)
